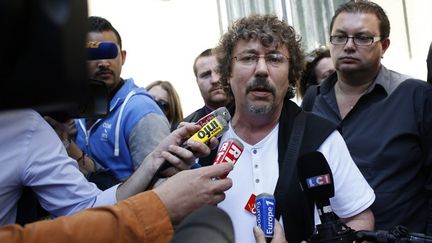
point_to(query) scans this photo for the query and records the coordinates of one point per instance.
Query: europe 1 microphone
(212, 129)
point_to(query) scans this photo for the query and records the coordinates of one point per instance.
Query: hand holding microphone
(229, 152)
(212, 129)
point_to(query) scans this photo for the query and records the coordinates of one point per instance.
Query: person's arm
(353, 195)
(145, 217)
(146, 135)
(142, 218)
(167, 150)
(362, 221)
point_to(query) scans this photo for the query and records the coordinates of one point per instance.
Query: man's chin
(219, 97)
(260, 107)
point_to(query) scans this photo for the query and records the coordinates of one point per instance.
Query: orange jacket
(142, 218)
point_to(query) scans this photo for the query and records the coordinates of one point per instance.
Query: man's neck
(115, 89)
(357, 81)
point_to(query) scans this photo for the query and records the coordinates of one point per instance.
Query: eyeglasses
(358, 40)
(272, 59)
(163, 105)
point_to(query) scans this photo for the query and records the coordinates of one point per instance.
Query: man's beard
(261, 84)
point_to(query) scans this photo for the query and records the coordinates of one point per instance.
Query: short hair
(365, 7)
(269, 30)
(205, 53)
(99, 24)
(175, 111)
(309, 76)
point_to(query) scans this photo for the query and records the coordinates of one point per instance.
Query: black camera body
(43, 59)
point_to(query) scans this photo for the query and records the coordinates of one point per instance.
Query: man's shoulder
(196, 115)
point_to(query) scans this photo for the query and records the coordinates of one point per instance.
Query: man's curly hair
(269, 30)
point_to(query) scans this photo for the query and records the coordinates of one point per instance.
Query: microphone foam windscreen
(101, 50)
(315, 176)
(208, 224)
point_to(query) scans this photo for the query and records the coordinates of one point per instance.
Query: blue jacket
(107, 140)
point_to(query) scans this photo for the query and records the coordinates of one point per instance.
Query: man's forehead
(358, 22)
(206, 62)
(102, 36)
(256, 45)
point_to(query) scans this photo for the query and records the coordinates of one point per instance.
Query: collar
(387, 79)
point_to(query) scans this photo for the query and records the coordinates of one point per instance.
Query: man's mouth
(104, 74)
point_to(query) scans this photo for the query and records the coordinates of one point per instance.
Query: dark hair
(99, 24)
(309, 76)
(269, 30)
(365, 7)
(205, 53)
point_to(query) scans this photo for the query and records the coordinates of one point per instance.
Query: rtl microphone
(316, 180)
(212, 129)
(221, 111)
(208, 224)
(229, 152)
(101, 50)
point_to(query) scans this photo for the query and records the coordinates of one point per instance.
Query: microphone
(265, 205)
(212, 129)
(208, 224)
(316, 180)
(229, 151)
(221, 111)
(101, 50)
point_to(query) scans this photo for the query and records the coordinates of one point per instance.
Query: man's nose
(103, 63)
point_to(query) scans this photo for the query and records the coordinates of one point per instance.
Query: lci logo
(318, 180)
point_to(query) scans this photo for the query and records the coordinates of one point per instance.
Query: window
(310, 18)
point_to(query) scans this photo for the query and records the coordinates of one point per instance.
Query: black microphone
(101, 50)
(208, 224)
(316, 180)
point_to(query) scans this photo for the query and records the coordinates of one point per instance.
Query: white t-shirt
(257, 172)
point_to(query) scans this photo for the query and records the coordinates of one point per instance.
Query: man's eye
(363, 38)
(339, 37)
(248, 58)
(274, 58)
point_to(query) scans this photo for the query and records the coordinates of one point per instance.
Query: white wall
(420, 30)
(162, 39)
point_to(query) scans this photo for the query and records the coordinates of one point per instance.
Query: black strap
(286, 190)
(309, 98)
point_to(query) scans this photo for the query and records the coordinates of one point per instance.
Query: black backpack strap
(290, 200)
(309, 98)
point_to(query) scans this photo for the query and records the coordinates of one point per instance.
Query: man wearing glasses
(385, 117)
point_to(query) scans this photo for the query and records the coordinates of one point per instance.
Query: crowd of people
(373, 126)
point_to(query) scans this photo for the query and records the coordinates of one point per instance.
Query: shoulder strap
(290, 203)
(309, 98)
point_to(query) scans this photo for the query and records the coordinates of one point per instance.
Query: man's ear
(385, 44)
(123, 54)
